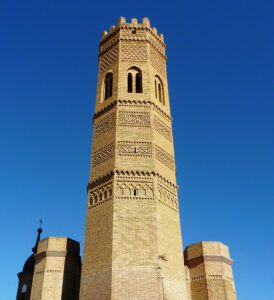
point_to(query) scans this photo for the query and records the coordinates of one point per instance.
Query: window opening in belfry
(129, 83)
(108, 85)
(139, 83)
(160, 92)
(24, 288)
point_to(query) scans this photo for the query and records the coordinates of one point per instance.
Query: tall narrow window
(160, 92)
(129, 83)
(108, 85)
(139, 83)
(24, 288)
(23, 292)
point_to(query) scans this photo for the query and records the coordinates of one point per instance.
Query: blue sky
(220, 70)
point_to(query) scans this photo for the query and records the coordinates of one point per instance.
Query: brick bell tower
(133, 244)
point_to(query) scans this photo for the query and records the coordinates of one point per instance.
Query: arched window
(108, 86)
(129, 83)
(134, 80)
(24, 288)
(23, 292)
(159, 90)
(139, 82)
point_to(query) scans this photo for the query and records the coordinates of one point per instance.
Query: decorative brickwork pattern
(106, 45)
(167, 197)
(157, 61)
(132, 189)
(163, 129)
(164, 157)
(136, 119)
(108, 59)
(103, 154)
(134, 52)
(126, 148)
(127, 35)
(104, 125)
(100, 195)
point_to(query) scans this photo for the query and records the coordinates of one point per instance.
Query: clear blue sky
(221, 82)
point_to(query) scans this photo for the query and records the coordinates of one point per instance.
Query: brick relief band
(110, 43)
(167, 197)
(164, 157)
(103, 154)
(104, 125)
(157, 60)
(126, 148)
(108, 59)
(134, 52)
(135, 189)
(163, 129)
(137, 119)
(212, 258)
(100, 195)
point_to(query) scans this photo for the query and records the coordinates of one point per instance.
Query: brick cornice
(135, 103)
(108, 176)
(194, 261)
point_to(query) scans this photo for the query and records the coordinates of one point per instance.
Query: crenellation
(104, 33)
(133, 28)
(134, 22)
(112, 27)
(146, 22)
(121, 21)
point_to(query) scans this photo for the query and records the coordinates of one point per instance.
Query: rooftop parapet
(58, 244)
(122, 23)
(206, 249)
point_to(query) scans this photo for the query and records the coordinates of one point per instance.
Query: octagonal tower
(133, 244)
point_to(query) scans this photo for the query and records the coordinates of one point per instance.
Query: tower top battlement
(134, 26)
